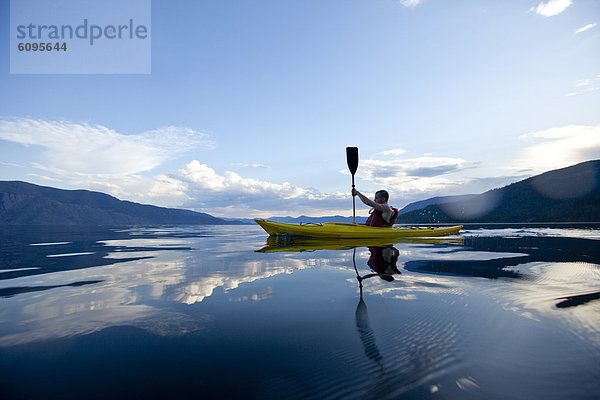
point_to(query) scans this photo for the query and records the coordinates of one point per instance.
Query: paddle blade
(352, 158)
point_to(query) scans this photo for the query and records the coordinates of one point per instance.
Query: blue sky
(250, 104)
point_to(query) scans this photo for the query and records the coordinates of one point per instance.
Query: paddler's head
(381, 197)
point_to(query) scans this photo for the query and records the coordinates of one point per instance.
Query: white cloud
(584, 86)
(414, 179)
(559, 147)
(230, 194)
(159, 190)
(552, 7)
(585, 28)
(163, 186)
(590, 89)
(203, 176)
(11, 164)
(95, 149)
(254, 166)
(95, 157)
(410, 176)
(394, 152)
(410, 3)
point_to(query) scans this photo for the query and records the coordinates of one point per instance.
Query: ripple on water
(390, 360)
(549, 284)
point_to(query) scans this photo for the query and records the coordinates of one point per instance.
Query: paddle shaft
(352, 159)
(353, 203)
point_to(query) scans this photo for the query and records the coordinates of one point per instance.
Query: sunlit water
(198, 312)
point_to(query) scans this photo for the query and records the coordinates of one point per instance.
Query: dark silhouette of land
(24, 203)
(569, 194)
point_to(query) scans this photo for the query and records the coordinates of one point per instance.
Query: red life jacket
(376, 218)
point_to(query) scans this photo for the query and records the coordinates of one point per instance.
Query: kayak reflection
(285, 243)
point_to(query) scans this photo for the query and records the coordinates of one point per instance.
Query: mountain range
(24, 203)
(569, 194)
(417, 205)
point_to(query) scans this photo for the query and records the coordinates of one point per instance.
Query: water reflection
(574, 301)
(526, 250)
(286, 244)
(13, 291)
(414, 354)
(383, 261)
(65, 280)
(96, 283)
(29, 251)
(365, 332)
(290, 318)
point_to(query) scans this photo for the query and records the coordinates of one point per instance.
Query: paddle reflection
(383, 263)
(380, 261)
(365, 332)
(403, 366)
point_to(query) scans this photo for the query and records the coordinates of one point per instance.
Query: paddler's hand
(353, 192)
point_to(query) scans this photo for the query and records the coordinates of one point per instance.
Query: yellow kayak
(353, 231)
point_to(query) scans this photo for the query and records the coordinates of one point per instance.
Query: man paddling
(382, 213)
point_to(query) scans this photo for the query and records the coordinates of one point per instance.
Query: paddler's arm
(385, 208)
(364, 198)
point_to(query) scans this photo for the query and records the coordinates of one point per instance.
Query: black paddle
(352, 159)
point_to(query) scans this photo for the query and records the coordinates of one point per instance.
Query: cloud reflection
(44, 303)
(188, 267)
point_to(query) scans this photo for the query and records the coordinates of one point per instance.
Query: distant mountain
(417, 205)
(304, 219)
(569, 194)
(24, 203)
(239, 221)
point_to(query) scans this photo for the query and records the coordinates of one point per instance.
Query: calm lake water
(217, 312)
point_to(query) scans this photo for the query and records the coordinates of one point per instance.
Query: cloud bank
(421, 174)
(231, 194)
(559, 147)
(95, 149)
